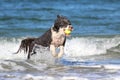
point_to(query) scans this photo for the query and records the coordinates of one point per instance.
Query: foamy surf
(75, 47)
(87, 46)
(52, 78)
(72, 66)
(8, 46)
(33, 77)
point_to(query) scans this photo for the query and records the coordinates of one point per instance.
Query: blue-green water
(30, 17)
(91, 53)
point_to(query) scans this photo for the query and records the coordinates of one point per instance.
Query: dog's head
(62, 23)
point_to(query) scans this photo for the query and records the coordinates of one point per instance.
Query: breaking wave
(75, 47)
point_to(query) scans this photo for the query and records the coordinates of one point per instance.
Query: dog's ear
(58, 16)
(57, 23)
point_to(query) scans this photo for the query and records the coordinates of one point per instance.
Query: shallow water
(91, 53)
(100, 60)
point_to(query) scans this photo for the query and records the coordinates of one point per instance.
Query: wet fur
(46, 39)
(25, 45)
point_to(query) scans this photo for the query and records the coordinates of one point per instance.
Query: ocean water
(92, 52)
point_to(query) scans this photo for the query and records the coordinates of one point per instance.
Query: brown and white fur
(53, 38)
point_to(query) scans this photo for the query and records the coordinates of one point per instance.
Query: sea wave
(36, 71)
(74, 47)
(87, 46)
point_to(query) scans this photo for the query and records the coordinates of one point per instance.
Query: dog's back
(28, 43)
(45, 39)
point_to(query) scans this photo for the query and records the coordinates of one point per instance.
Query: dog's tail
(25, 45)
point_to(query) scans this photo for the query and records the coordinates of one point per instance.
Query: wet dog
(53, 38)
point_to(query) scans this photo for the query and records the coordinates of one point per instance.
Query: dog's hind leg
(30, 50)
(34, 49)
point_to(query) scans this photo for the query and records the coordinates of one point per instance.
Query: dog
(53, 38)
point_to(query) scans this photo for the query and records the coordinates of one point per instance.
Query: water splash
(86, 46)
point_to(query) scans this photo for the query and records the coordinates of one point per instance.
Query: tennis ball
(67, 31)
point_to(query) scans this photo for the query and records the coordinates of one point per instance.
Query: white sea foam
(10, 66)
(111, 78)
(75, 47)
(111, 66)
(29, 76)
(89, 46)
(48, 77)
(32, 77)
(73, 78)
(8, 48)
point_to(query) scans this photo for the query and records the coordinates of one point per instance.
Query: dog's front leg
(60, 54)
(53, 50)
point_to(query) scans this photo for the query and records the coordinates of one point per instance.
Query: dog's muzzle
(68, 30)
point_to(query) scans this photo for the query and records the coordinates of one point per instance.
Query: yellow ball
(67, 31)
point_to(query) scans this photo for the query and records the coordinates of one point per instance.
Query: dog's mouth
(68, 30)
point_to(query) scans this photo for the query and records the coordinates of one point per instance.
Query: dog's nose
(71, 28)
